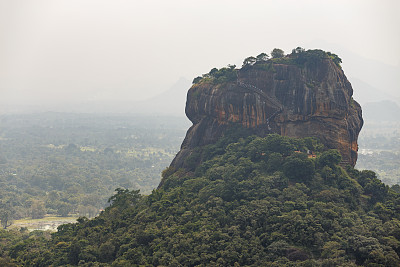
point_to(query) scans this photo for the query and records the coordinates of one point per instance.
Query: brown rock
(309, 100)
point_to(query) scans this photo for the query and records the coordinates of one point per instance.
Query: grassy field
(49, 222)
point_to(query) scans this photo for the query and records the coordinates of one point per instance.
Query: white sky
(72, 51)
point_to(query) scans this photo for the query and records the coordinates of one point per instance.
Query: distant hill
(170, 102)
(365, 93)
(381, 111)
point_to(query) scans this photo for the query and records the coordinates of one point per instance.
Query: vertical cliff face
(312, 99)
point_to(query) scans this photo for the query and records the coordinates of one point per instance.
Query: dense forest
(252, 202)
(63, 164)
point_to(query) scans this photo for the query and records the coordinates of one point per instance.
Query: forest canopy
(245, 205)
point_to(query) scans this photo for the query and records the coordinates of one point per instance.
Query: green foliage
(251, 202)
(38, 209)
(330, 158)
(249, 61)
(6, 213)
(299, 167)
(124, 198)
(23, 248)
(310, 57)
(70, 164)
(277, 53)
(218, 76)
(298, 50)
(283, 60)
(335, 58)
(313, 57)
(193, 159)
(268, 66)
(197, 79)
(262, 57)
(372, 185)
(299, 56)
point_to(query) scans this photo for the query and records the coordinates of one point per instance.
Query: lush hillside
(252, 202)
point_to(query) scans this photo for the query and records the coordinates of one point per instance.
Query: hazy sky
(73, 51)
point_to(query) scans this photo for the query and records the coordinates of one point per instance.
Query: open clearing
(49, 222)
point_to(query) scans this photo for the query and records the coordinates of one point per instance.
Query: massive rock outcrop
(296, 96)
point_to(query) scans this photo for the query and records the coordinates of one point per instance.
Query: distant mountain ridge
(170, 102)
(382, 111)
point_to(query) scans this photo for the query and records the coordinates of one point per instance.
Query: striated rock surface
(312, 99)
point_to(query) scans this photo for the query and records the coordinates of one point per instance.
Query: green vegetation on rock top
(299, 57)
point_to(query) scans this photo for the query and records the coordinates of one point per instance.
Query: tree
(63, 208)
(213, 71)
(335, 58)
(274, 161)
(106, 251)
(277, 53)
(262, 57)
(298, 50)
(124, 197)
(396, 188)
(6, 218)
(376, 188)
(37, 209)
(197, 79)
(311, 57)
(330, 158)
(298, 167)
(6, 213)
(249, 61)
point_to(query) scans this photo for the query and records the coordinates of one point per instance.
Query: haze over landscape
(291, 155)
(102, 56)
